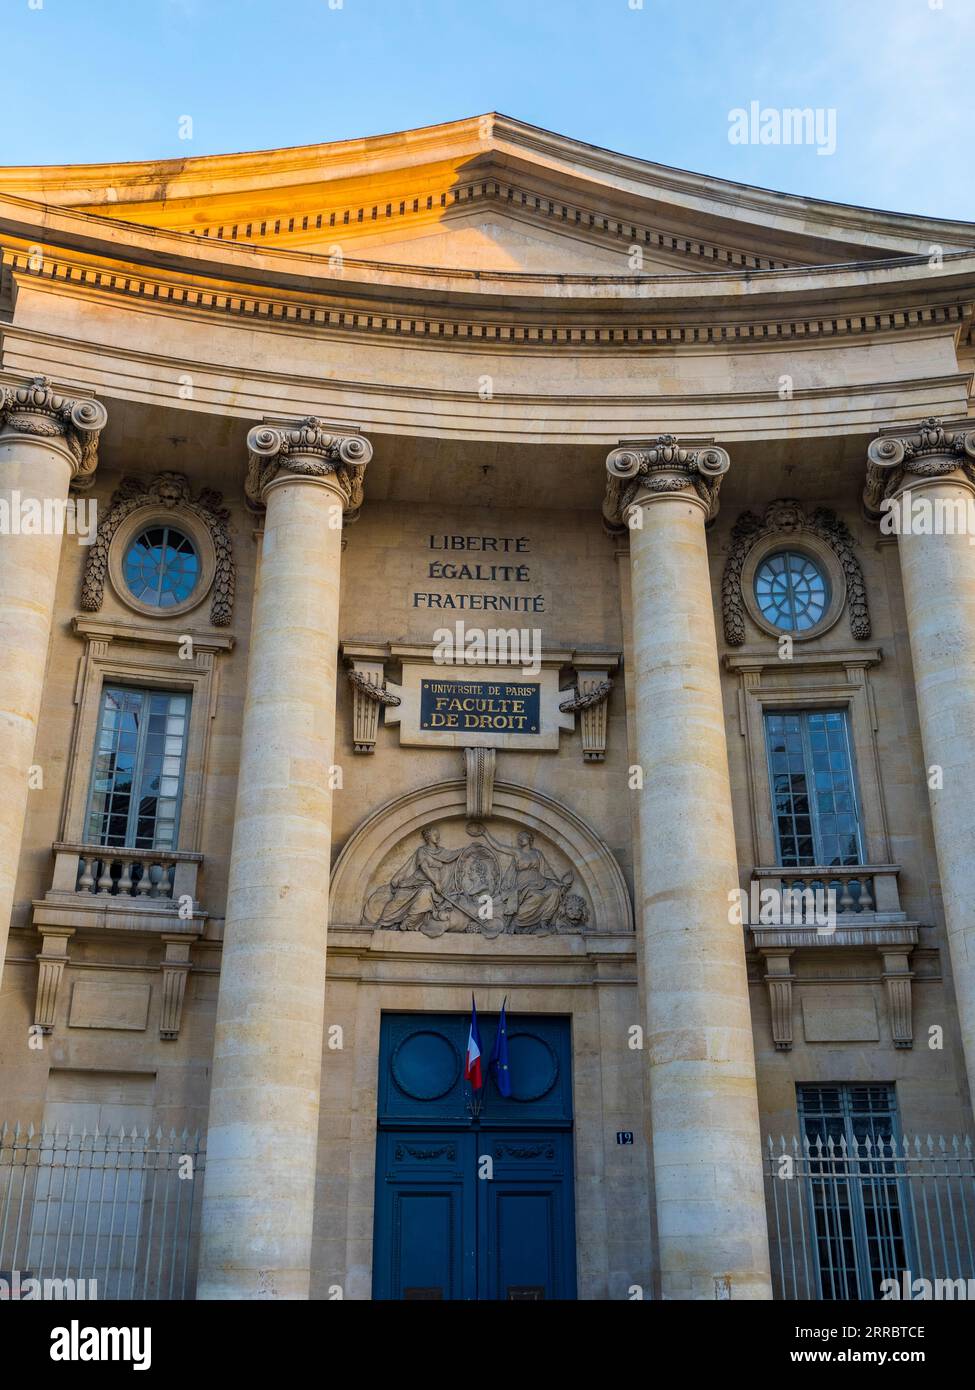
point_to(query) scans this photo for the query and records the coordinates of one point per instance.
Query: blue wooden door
(473, 1207)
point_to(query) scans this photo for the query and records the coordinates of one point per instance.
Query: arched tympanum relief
(533, 868)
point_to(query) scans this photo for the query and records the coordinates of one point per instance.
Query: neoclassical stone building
(620, 650)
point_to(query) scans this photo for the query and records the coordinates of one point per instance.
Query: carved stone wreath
(786, 518)
(170, 491)
(373, 690)
(577, 702)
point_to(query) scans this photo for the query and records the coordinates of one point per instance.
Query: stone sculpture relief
(488, 887)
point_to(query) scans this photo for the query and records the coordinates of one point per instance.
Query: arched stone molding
(394, 831)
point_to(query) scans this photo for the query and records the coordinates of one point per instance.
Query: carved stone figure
(418, 893)
(532, 893)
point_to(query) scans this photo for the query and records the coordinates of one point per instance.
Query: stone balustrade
(861, 889)
(153, 878)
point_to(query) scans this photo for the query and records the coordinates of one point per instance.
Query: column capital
(36, 409)
(308, 448)
(642, 470)
(928, 449)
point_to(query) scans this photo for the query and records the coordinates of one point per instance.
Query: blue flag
(498, 1065)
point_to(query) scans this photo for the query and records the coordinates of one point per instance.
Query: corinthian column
(261, 1148)
(921, 487)
(46, 442)
(703, 1102)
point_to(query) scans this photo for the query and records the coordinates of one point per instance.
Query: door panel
(523, 1229)
(525, 1219)
(425, 1218)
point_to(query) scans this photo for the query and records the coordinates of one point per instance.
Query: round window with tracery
(161, 567)
(791, 591)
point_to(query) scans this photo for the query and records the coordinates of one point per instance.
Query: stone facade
(479, 374)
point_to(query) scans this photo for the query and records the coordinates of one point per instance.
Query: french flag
(472, 1063)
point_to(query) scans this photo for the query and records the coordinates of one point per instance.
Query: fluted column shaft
(703, 1101)
(922, 479)
(46, 440)
(262, 1138)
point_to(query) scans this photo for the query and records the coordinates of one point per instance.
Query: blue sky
(111, 79)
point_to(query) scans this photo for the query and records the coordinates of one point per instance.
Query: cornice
(28, 226)
(764, 659)
(117, 629)
(863, 301)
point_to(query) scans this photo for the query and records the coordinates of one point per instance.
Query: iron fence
(872, 1218)
(116, 1215)
(101, 1215)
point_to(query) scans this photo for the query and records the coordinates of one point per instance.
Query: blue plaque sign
(480, 707)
